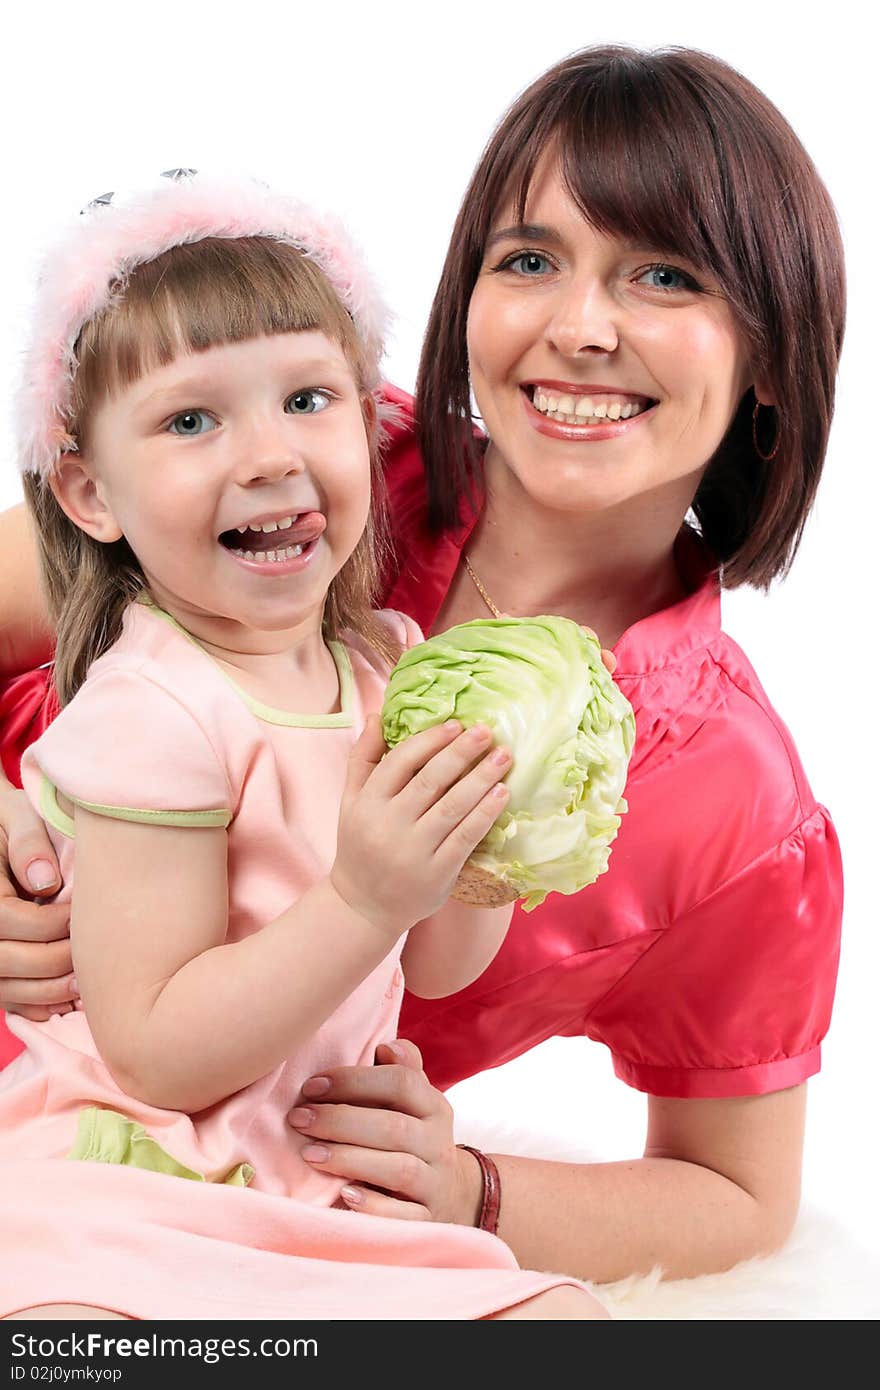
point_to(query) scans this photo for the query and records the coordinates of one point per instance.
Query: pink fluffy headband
(89, 265)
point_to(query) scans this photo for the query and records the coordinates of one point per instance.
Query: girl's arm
(451, 949)
(181, 1017)
(25, 631)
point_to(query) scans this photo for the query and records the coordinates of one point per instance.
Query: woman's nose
(584, 319)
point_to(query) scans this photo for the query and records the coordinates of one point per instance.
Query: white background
(379, 112)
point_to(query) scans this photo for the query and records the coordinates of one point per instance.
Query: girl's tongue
(303, 528)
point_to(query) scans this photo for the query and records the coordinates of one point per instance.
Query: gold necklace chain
(496, 613)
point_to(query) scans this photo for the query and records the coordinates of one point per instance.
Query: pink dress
(158, 733)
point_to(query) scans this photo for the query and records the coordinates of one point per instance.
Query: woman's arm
(719, 1181)
(25, 631)
(448, 951)
(35, 967)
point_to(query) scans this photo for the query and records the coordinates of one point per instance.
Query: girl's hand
(388, 1127)
(35, 962)
(411, 818)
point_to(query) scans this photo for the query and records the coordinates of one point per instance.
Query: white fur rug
(823, 1272)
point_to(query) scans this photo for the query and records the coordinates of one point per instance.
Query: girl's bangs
(199, 296)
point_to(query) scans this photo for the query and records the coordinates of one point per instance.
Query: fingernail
(74, 986)
(479, 732)
(499, 791)
(396, 1049)
(301, 1118)
(316, 1086)
(452, 726)
(501, 755)
(315, 1153)
(41, 875)
(351, 1194)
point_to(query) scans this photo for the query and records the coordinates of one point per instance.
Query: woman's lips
(586, 433)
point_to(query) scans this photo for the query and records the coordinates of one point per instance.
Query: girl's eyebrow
(190, 386)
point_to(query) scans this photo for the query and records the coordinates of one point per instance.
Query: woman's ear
(80, 496)
(763, 394)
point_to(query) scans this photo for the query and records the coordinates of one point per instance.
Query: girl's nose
(584, 320)
(269, 453)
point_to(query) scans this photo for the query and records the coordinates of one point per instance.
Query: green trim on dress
(342, 719)
(105, 1136)
(52, 812)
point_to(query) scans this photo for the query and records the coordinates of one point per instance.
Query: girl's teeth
(270, 556)
(582, 410)
(267, 526)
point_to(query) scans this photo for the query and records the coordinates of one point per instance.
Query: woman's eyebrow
(525, 231)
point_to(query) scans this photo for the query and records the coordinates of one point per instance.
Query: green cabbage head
(541, 686)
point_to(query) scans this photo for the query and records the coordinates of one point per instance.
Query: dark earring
(772, 454)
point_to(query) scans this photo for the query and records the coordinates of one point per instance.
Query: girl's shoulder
(398, 628)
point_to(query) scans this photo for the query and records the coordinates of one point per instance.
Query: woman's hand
(386, 1127)
(35, 962)
(410, 818)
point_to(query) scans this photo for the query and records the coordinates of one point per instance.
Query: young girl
(198, 439)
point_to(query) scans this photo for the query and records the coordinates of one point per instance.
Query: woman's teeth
(583, 410)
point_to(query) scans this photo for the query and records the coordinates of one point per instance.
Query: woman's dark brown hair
(677, 150)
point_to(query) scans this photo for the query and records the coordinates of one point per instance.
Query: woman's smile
(583, 414)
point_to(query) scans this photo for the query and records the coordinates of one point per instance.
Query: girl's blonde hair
(194, 296)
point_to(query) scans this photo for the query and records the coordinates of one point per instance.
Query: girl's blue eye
(666, 277)
(307, 402)
(527, 264)
(192, 422)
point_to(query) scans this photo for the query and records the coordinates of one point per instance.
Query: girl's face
(602, 370)
(240, 477)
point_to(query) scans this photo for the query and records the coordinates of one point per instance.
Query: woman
(645, 292)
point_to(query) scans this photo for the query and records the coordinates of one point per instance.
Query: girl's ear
(80, 496)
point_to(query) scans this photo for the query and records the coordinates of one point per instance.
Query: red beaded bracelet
(490, 1207)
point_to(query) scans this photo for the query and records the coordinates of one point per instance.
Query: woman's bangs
(636, 171)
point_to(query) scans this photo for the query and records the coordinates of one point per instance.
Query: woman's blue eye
(527, 263)
(192, 422)
(666, 277)
(306, 402)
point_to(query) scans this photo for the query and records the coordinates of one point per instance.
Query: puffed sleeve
(734, 997)
(128, 748)
(410, 633)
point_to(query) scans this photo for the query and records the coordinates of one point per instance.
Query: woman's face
(602, 370)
